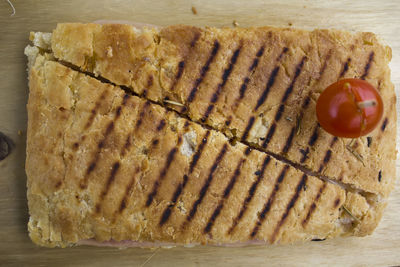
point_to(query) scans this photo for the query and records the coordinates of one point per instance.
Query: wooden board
(16, 249)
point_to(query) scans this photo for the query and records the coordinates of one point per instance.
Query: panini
(239, 161)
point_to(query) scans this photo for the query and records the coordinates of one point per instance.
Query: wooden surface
(16, 249)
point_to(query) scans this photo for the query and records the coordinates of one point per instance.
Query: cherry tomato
(349, 108)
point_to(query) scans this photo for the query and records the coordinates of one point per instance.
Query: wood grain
(381, 17)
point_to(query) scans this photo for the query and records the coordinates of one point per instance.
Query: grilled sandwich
(200, 136)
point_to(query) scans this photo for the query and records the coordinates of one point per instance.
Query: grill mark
(253, 66)
(186, 126)
(333, 141)
(225, 76)
(94, 161)
(250, 195)
(126, 146)
(110, 128)
(278, 114)
(207, 183)
(228, 121)
(178, 191)
(161, 125)
(336, 203)
(181, 64)
(270, 83)
(227, 191)
(248, 128)
(306, 102)
(289, 206)
(328, 155)
(203, 72)
(110, 180)
(271, 132)
(369, 141)
(161, 176)
(281, 109)
(141, 115)
(59, 183)
(268, 205)
(75, 146)
(305, 154)
(328, 56)
(383, 127)
(94, 110)
(313, 205)
(118, 112)
(150, 81)
(248, 151)
(196, 156)
(124, 200)
(271, 80)
(289, 141)
(195, 39)
(314, 136)
(345, 67)
(368, 65)
(289, 90)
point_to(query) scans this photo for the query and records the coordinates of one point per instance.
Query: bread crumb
(194, 10)
(235, 23)
(109, 51)
(290, 24)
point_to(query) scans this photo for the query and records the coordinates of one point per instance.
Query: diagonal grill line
(250, 194)
(271, 80)
(203, 72)
(111, 178)
(253, 67)
(289, 139)
(123, 203)
(368, 65)
(207, 183)
(227, 191)
(161, 176)
(181, 186)
(246, 80)
(313, 205)
(267, 207)
(227, 72)
(181, 64)
(281, 108)
(289, 207)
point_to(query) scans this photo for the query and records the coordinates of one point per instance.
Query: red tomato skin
(338, 113)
